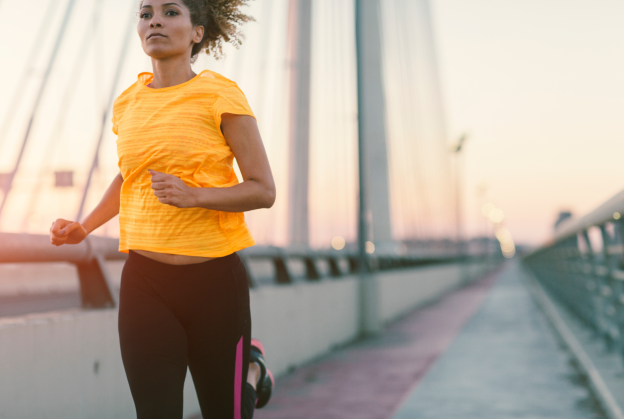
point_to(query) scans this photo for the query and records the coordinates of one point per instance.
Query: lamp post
(481, 233)
(457, 149)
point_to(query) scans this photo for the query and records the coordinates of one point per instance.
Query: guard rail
(583, 266)
(91, 255)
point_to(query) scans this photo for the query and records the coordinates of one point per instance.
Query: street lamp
(456, 149)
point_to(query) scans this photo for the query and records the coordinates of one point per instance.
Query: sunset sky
(537, 85)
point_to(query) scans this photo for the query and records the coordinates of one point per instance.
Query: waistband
(210, 267)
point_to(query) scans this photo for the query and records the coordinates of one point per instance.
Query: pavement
(484, 351)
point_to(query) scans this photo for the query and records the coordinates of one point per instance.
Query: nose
(155, 24)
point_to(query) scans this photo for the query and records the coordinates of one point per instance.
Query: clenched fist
(172, 190)
(67, 232)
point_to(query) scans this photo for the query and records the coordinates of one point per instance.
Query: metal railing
(583, 266)
(96, 289)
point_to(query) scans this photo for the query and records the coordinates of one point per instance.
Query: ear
(198, 34)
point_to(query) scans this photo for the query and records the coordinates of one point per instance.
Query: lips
(156, 35)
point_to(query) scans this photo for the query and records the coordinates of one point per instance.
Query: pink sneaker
(266, 383)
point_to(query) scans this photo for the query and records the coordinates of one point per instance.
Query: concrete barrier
(400, 293)
(67, 364)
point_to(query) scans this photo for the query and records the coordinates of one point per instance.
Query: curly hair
(221, 20)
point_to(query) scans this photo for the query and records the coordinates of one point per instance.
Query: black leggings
(174, 316)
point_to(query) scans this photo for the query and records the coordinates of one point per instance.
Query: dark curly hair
(221, 20)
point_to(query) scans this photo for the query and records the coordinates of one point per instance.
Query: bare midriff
(172, 259)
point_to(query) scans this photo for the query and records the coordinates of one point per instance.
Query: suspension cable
(68, 96)
(16, 100)
(105, 116)
(44, 83)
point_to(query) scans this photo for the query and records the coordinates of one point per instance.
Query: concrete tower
(373, 121)
(300, 38)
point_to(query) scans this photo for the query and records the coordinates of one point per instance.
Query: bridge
(372, 290)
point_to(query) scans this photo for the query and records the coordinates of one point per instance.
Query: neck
(171, 71)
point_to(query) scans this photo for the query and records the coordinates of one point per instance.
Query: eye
(171, 13)
(145, 15)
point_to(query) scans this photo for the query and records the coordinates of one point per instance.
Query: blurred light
(497, 215)
(509, 255)
(370, 248)
(486, 209)
(338, 243)
(503, 235)
(616, 215)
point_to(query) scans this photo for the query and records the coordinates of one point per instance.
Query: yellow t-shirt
(176, 130)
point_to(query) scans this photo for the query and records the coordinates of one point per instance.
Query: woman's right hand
(67, 232)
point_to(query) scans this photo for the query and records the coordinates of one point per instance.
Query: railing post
(95, 285)
(334, 269)
(618, 279)
(583, 308)
(282, 275)
(354, 264)
(594, 286)
(612, 330)
(312, 273)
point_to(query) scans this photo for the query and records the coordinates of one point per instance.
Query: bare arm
(73, 232)
(107, 208)
(257, 189)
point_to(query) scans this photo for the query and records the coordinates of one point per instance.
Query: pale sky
(537, 85)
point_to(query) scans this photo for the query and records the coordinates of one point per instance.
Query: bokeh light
(508, 247)
(497, 216)
(338, 243)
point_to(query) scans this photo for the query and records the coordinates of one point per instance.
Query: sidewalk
(481, 352)
(505, 363)
(371, 378)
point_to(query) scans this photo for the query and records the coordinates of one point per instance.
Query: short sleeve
(230, 100)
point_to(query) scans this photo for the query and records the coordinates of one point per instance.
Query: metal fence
(96, 289)
(583, 266)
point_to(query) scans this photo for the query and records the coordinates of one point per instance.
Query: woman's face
(166, 30)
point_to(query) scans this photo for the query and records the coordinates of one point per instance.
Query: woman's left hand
(172, 190)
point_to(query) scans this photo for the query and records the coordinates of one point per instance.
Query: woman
(184, 298)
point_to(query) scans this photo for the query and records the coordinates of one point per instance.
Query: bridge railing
(89, 257)
(583, 265)
(96, 288)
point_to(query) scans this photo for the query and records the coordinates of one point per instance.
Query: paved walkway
(505, 363)
(371, 378)
(445, 362)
